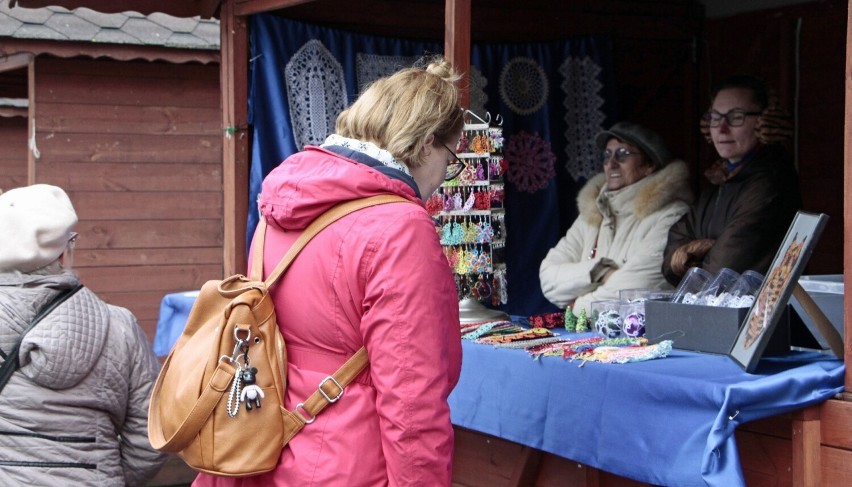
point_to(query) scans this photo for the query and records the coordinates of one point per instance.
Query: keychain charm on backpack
(251, 393)
(244, 372)
(235, 393)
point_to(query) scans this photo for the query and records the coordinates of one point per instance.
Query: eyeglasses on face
(454, 168)
(620, 155)
(73, 238)
(734, 118)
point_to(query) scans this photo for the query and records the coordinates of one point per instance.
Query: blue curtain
(551, 99)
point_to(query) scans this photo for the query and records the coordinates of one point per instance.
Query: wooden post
(807, 469)
(236, 137)
(847, 191)
(457, 43)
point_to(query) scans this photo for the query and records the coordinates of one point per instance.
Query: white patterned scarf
(368, 148)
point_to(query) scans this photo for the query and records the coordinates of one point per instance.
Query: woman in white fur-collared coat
(618, 239)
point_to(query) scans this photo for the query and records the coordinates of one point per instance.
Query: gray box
(709, 329)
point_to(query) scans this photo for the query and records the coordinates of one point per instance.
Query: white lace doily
(478, 98)
(370, 67)
(523, 85)
(316, 92)
(584, 115)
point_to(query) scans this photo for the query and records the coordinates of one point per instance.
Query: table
(667, 421)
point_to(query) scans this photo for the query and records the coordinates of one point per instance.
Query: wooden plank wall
(138, 148)
(13, 155)
(835, 454)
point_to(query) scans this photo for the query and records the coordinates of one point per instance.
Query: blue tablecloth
(174, 310)
(666, 421)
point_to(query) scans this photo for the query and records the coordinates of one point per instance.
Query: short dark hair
(756, 84)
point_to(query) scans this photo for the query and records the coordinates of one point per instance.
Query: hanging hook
(477, 116)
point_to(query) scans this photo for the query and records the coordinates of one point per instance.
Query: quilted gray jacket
(76, 411)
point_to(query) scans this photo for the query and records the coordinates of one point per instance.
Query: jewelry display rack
(470, 219)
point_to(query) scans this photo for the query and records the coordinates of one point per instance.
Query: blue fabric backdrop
(540, 90)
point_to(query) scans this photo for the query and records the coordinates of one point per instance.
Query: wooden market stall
(666, 55)
(129, 127)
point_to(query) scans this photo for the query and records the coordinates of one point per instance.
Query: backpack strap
(335, 213)
(10, 361)
(331, 388)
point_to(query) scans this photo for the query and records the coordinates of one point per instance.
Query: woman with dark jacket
(740, 220)
(75, 412)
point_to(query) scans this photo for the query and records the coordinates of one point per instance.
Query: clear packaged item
(743, 291)
(691, 285)
(718, 291)
(633, 319)
(641, 295)
(634, 295)
(606, 318)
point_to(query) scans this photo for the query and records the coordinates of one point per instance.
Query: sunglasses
(620, 155)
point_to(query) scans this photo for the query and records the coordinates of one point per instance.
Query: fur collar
(651, 194)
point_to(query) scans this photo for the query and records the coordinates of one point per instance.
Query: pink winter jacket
(376, 278)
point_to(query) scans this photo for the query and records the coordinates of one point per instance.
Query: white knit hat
(35, 226)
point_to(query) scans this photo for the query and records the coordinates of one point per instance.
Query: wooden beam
(847, 194)
(249, 7)
(236, 142)
(824, 326)
(127, 52)
(457, 42)
(12, 112)
(15, 61)
(31, 124)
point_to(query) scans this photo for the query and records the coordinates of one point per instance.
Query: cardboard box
(708, 329)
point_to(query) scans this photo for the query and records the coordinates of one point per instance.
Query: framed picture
(772, 297)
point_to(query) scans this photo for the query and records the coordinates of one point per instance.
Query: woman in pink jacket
(376, 278)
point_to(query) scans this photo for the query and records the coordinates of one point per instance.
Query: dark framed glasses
(620, 155)
(734, 118)
(454, 168)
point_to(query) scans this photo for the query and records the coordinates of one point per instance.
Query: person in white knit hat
(76, 372)
(36, 223)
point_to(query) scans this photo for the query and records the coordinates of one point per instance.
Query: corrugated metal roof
(83, 24)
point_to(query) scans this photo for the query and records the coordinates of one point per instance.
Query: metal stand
(472, 311)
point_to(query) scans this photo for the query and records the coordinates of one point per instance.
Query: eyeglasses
(620, 155)
(453, 168)
(734, 118)
(67, 258)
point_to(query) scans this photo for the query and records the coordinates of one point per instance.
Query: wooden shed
(666, 53)
(122, 111)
